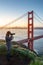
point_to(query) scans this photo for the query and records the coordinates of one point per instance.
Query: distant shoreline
(19, 27)
(14, 28)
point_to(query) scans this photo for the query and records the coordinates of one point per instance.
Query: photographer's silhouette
(8, 38)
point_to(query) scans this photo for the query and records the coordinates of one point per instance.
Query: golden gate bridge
(30, 28)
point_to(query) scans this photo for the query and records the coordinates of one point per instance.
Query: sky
(12, 9)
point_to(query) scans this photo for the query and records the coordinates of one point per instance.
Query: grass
(22, 53)
(37, 62)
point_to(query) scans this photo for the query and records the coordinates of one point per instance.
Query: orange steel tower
(30, 30)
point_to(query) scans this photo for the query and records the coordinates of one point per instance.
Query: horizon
(20, 27)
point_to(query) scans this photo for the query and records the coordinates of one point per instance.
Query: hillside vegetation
(19, 56)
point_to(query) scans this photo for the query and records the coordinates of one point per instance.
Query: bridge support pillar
(30, 30)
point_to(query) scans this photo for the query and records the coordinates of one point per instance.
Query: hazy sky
(12, 9)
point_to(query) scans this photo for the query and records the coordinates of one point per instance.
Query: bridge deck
(26, 40)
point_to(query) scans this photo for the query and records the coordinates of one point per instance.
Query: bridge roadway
(26, 40)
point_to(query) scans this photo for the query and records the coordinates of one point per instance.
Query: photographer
(8, 38)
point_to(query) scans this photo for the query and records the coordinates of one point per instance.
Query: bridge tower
(30, 30)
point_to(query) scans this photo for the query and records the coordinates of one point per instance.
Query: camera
(12, 33)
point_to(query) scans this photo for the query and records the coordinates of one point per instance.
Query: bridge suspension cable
(38, 18)
(39, 21)
(15, 20)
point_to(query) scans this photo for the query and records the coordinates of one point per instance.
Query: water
(22, 34)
